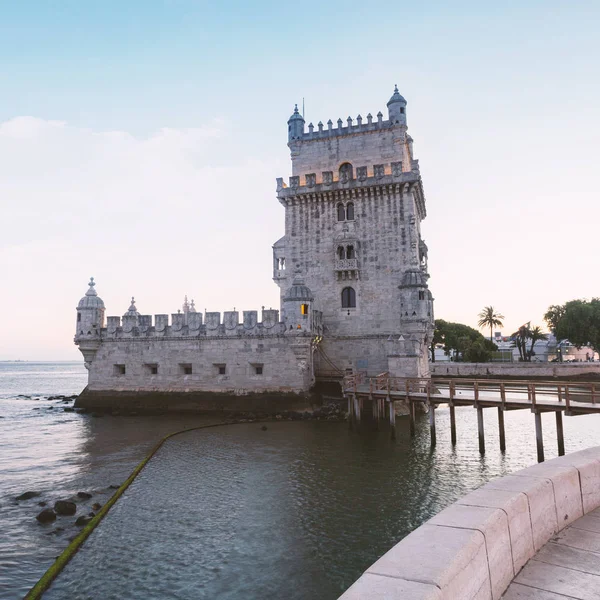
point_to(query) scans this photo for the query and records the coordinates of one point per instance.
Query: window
(341, 212)
(151, 368)
(402, 110)
(350, 252)
(421, 295)
(348, 298)
(341, 253)
(304, 309)
(258, 369)
(119, 370)
(185, 368)
(350, 211)
(221, 369)
(78, 317)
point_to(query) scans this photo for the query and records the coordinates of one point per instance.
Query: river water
(297, 511)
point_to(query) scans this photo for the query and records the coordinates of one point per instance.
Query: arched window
(350, 252)
(341, 253)
(348, 298)
(350, 211)
(341, 212)
(345, 173)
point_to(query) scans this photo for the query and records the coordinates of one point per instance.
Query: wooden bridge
(382, 391)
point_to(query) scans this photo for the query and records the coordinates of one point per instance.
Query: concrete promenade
(533, 534)
(567, 567)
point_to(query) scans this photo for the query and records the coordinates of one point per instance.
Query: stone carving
(327, 177)
(379, 171)
(361, 173)
(397, 169)
(311, 180)
(294, 181)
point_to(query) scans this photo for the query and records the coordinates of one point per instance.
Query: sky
(140, 142)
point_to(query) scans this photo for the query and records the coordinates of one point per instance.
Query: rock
(83, 520)
(36, 408)
(28, 495)
(84, 495)
(65, 508)
(96, 506)
(113, 487)
(46, 516)
(68, 409)
(264, 427)
(42, 503)
(50, 408)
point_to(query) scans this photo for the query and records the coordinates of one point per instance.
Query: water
(58, 454)
(234, 512)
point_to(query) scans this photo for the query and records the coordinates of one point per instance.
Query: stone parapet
(475, 547)
(350, 128)
(518, 370)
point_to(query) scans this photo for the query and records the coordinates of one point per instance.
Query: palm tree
(536, 334)
(520, 338)
(488, 317)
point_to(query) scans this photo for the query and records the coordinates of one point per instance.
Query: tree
(553, 316)
(580, 323)
(536, 334)
(488, 317)
(520, 338)
(438, 336)
(459, 339)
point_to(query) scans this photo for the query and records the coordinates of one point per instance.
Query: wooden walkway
(560, 397)
(568, 566)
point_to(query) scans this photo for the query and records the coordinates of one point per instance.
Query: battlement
(326, 181)
(346, 128)
(194, 324)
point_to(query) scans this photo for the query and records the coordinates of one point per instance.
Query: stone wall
(516, 370)
(475, 547)
(234, 366)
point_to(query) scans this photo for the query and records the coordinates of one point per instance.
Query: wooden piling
(480, 430)
(539, 440)
(501, 429)
(559, 433)
(432, 423)
(392, 419)
(350, 411)
(452, 424)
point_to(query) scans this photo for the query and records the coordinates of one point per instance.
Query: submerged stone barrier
(475, 547)
(67, 554)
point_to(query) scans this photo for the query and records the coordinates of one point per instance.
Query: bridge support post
(432, 423)
(452, 424)
(559, 433)
(350, 411)
(393, 419)
(480, 430)
(538, 436)
(411, 414)
(501, 429)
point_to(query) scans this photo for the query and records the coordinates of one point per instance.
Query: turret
(295, 126)
(417, 303)
(397, 108)
(90, 314)
(297, 306)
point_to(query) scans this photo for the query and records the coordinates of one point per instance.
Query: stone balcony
(346, 264)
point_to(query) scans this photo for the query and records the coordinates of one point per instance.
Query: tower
(353, 211)
(90, 321)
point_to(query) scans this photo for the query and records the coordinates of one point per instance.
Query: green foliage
(488, 317)
(462, 341)
(580, 323)
(553, 316)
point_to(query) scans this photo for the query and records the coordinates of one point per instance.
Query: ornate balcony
(346, 264)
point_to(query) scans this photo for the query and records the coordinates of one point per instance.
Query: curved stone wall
(475, 547)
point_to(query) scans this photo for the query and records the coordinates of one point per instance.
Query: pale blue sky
(140, 141)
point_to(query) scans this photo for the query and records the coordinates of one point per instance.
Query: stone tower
(353, 212)
(90, 321)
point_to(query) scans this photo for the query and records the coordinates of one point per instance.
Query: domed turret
(295, 126)
(90, 313)
(397, 108)
(132, 311)
(297, 306)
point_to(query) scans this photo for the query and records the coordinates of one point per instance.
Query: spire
(396, 97)
(192, 306)
(186, 305)
(91, 291)
(132, 309)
